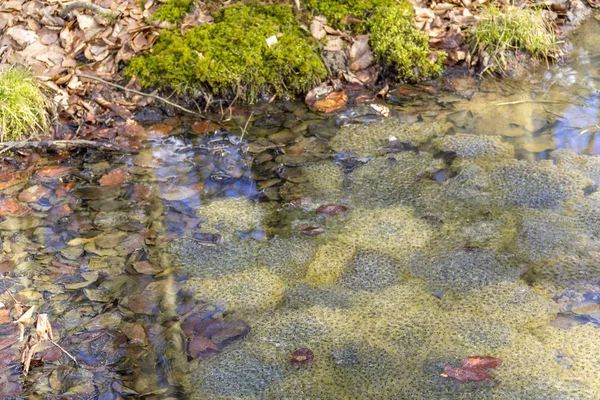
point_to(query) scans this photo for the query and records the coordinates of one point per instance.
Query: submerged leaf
(481, 362)
(466, 374)
(114, 177)
(331, 209)
(201, 347)
(302, 356)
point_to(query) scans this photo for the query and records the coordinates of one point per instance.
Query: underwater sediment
(449, 248)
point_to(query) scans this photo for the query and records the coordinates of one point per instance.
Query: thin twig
(246, 126)
(326, 65)
(8, 291)
(105, 12)
(64, 351)
(60, 144)
(508, 103)
(141, 94)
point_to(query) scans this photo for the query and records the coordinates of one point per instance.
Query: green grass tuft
(23, 105)
(499, 32)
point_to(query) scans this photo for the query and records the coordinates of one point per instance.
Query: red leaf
(466, 374)
(481, 362)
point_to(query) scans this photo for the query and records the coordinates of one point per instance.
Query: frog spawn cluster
(418, 273)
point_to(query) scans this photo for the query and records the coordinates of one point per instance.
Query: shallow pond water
(353, 256)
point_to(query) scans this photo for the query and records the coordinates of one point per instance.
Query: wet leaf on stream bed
(472, 369)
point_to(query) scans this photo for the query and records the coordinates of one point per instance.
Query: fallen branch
(104, 12)
(60, 144)
(142, 94)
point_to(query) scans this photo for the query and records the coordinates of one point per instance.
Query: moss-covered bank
(232, 56)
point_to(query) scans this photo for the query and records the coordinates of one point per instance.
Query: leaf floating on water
(466, 374)
(335, 101)
(481, 362)
(331, 209)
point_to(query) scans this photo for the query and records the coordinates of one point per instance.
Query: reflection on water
(380, 252)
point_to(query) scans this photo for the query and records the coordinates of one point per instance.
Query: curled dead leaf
(43, 328)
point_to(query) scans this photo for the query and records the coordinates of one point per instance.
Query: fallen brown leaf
(335, 101)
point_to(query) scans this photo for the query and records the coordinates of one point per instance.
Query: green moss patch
(22, 105)
(232, 57)
(173, 11)
(336, 11)
(400, 45)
